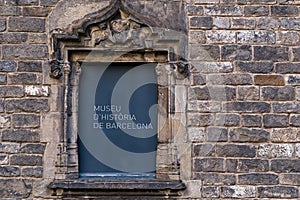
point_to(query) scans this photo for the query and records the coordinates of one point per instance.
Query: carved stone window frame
(161, 46)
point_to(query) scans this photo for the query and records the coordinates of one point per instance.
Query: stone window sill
(116, 188)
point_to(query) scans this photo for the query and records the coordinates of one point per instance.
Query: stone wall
(243, 109)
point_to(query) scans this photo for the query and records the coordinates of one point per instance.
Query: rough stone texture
(275, 150)
(256, 67)
(256, 37)
(285, 135)
(27, 105)
(248, 93)
(263, 80)
(26, 160)
(247, 165)
(271, 53)
(232, 150)
(15, 188)
(278, 192)
(20, 136)
(251, 120)
(238, 192)
(26, 24)
(248, 135)
(277, 93)
(234, 52)
(25, 52)
(26, 121)
(258, 179)
(285, 165)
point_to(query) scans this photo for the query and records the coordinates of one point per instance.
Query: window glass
(117, 119)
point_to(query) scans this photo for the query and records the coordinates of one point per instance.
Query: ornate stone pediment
(119, 30)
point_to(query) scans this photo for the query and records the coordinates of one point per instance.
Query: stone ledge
(116, 187)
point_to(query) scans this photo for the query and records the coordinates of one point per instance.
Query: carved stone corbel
(182, 68)
(56, 69)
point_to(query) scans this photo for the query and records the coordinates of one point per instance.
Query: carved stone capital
(56, 69)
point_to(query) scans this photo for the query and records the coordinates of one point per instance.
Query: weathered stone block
(296, 53)
(242, 23)
(235, 52)
(15, 188)
(24, 2)
(2, 24)
(215, 178)
(25, 78)
(290, 179)
(284, 11)
(201, 22)
(258, 37)
(248, 93)
(223, 119)
(196, 134)
(27, 105)
(198, 79)
(258, 179)
(256, 11)
(256, 1)
(3, 159)
(267, 23)
(251, 120)
(263, 80)
(260, 107)
(37, 11)
(238, 192)
(275, 120)
(298, 93)
(249, 135)
(286, 68)
(35, 172)
(278, 192)
(205, 52)
(25, 51)
(271, 53)
(37, 91)
(9, 11)
(213, 67)
(197, 37)
(255, 67)
(195, 10)
(285, 135)
(200, 120)
(20, 136)
(13, 38)
(33, 148)
(293, 79)
(209, 164)
(232, 150)
(5, 121)
(37, 38)
(9, 171)
(9, 147)
(285, 165)
(220, 36)
(290, 23)
(210, 192)
(1, 105)
(30, 66)
(26, 24)
(8, 66)
(278, 93)
(222, 22)
(223, 10)
(286, 107)
(275, 150)
(3, 79)
(204, 106)
(48, 2)
(11, 91)
(26, 121)
(295, 120)
(288, 38)
(199, 93)
(204, 150)
(230, 79)
(26, 160)
(298, 150)
(216, 134)
(247, 165)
